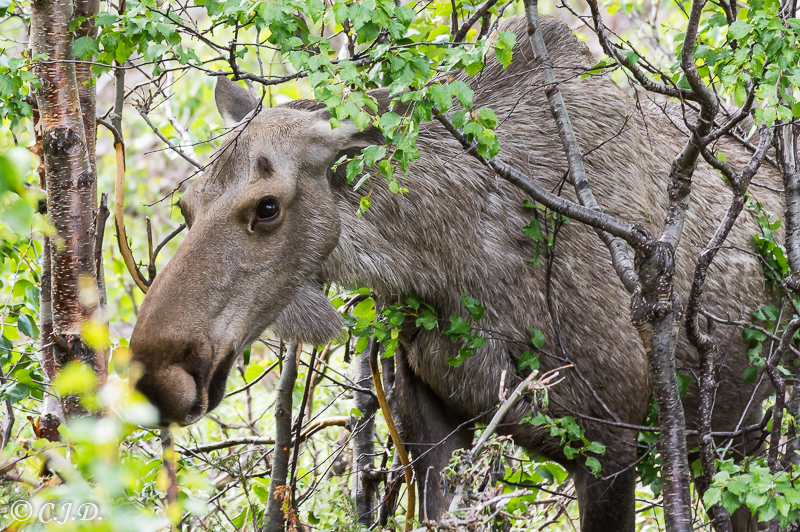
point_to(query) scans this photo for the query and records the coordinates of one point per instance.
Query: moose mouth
(206, 401)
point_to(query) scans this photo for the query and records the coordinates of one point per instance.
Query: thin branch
(619, 251)
(168, 142)
(632, 234)
(461, 34)
(274, 516)
(630, 65)
(398, 442)
(119, 221)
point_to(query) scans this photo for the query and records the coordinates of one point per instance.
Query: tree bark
(364, 442)
(71, 182)
(87, 90)
(274, 518)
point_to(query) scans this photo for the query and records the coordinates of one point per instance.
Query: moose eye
(267, 209)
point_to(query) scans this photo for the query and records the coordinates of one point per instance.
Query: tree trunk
(274, 517)
(71, 184)
(364, 442)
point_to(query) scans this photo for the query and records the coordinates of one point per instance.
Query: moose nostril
(195, 412)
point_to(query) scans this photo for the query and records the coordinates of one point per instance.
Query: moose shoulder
(270, 223)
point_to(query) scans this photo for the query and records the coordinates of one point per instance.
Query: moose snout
(176, 373)
(183, 378)
(176, 394)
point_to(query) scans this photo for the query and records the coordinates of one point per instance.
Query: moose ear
(347, 136)
(233, 101)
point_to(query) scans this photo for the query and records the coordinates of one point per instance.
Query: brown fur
(458, 229)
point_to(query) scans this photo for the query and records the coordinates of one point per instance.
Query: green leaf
(730, 501)
(739, 29)
(362, 120)
(6, 85)
(596, 447)
(238, 521)
(261, 492)
(15, 392)
(27, 327)
(631, 56)
(537, 338)
(463, 92)
(363, 205)
(534, 230)
(253, 372)
(354, 169)
(427, 320)
(712, 497)
(105, 18)
(441, 96)
(85, 48)
(750, 374)
(458, 326)
(75, 23)
(488, 118)
(246, 355)
(459, 119)
(572, 452)
(365, 309)
(752, 334)
(503, 47)
(474, 307)
(683, 383)
(74, 378)
(528, 360)
(592, 463)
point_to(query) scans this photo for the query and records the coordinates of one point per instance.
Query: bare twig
(508, 404)
(119, 221)
(619, 251)
(461, 34)
(398, 442)
(633, 235)
(168, 142)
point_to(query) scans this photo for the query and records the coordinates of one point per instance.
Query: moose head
(262, 219)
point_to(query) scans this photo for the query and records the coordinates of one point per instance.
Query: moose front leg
(607, 501)
(431, 433)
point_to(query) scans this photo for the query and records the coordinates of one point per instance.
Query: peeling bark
(71, 182)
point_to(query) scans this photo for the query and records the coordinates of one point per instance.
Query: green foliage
(776, 265)
(16, 79)
(757, 50)
(767, 495)
(462, 331)
(364, 322)
(403, 48)
(571, 437)
(544, 238)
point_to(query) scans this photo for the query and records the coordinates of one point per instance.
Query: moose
(271, 222)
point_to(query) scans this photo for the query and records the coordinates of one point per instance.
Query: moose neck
(456, 230)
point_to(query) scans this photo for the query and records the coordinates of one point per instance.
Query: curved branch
(119, 220)
(623, 60)
(462, 32)
(632, 234)
(398, 442)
